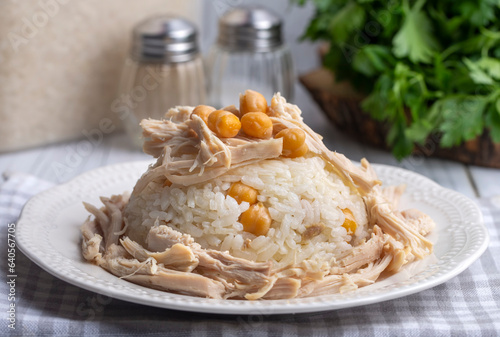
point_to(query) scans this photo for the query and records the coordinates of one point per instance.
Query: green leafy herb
(426, 66)
(415, 39)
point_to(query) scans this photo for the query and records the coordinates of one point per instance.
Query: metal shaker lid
(164, 39)
(250, 29)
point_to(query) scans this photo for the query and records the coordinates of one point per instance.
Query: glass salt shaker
(164, 69)
(249, 54)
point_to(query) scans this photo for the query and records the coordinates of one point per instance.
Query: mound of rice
(298, 192)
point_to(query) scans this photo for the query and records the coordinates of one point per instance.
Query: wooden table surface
(61, 162)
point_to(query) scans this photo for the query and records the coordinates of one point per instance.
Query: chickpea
(241, 192)
(224, 123)
(301, 151)
(293, 142)
(257, 124)
(212, 118)
(203, 111)
(256, 219)
(252, 101)
(349, 223)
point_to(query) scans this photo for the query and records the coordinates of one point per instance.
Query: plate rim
(242, 307)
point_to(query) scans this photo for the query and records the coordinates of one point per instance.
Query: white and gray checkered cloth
(467, 305)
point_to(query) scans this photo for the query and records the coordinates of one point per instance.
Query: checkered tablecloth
(467, 305)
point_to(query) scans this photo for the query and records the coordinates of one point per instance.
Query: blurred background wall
(60, 63)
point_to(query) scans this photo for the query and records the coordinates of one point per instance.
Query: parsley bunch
(428, 67)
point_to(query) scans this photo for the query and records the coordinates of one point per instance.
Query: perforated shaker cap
(165, 39)
(251, 29)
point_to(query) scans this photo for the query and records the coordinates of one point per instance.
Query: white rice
(298, 193)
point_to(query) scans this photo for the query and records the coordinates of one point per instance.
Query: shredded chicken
(418, 220)
(181, 282)
(202, 156)
(178, 257)
(382, 214)
(188, 153)
(393, 194)
(344, 282)
(364, 253)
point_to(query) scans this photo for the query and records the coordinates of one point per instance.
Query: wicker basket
(341, 103)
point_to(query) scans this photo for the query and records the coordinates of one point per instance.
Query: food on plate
(249, 204)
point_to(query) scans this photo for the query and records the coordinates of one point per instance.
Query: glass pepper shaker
(249, 54)
(164, 69)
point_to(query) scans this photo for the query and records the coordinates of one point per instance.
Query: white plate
(48, 233)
